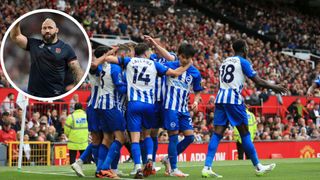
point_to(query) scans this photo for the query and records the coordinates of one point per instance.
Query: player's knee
(119, 136)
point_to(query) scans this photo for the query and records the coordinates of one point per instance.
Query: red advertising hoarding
(226, 151)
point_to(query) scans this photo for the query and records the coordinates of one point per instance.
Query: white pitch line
(63, 174)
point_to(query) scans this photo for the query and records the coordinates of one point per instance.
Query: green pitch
(286, 169)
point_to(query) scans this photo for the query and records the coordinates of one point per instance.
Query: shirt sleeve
(30, 43)
(247, 68)
(71, 55)
(124, 61)
(161, 69)
(117, 78)
(96, 71)
(197, 83)
(153, 57)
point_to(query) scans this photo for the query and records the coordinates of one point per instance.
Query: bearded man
(50, 60)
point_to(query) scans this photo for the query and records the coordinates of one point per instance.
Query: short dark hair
(6, 113)
(77, 106)
(140, 49)
(239, 45)
(100, 51)
(187, 50)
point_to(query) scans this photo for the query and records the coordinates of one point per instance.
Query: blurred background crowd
(285, 26)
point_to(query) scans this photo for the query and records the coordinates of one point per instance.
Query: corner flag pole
(22, 102)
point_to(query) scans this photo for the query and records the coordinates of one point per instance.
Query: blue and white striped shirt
(233, 72)
(141, 74)
(94, 79)
(178, 88)
(160, 80)
(111, 86)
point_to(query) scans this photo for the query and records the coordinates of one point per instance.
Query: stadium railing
(35, 153)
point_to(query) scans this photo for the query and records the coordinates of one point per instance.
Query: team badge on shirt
(58, 50)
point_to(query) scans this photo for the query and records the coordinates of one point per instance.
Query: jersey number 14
(142, 76)
(227, 73)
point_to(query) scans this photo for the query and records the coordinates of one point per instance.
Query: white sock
(137, 166)
(207, 168)
(80, 161)
(259, 166)
(149, 156)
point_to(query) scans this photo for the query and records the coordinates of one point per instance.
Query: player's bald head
(49, 22)
(49, 30)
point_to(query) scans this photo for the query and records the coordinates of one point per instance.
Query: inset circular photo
(46, 54)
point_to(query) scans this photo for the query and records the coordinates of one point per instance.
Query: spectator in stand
(52, 135)
(264, 95)
(6, 133)
(33, 135)
(254, 99)
(8, 104)
(303, 134)
(18, 120)
(315, 114)
(163, 137)
(310, 105)
(73, 101)
(302, 111)
(53, 117)
(4, 117)
(315, 134)
(60, 126)
(34, 121)
(286, 131)
(210, 104)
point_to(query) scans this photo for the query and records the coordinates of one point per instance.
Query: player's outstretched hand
(112, 51)
(149, 39)
(280, 89)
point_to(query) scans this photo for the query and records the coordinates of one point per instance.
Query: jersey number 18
(227, 73)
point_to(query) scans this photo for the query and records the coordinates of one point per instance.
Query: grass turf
(286, 169)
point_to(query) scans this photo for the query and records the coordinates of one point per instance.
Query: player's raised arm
(177, 72)
(17, 37)
(76, 70)
(162, 51)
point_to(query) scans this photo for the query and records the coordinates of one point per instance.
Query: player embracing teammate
(157, 87)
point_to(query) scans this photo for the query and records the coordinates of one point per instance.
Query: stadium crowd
(302, 122)
(213, 40)
(284, 23)
(211, 37)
